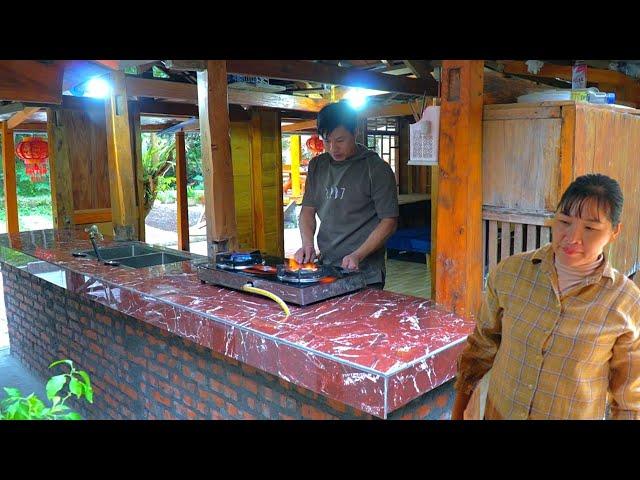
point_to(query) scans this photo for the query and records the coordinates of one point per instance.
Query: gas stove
(292, 282)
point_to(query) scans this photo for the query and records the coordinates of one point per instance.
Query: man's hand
(351, 261)
(305, 254)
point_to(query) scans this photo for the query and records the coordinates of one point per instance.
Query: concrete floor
(13, 374)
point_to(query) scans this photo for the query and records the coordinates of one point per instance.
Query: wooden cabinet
(532, 152)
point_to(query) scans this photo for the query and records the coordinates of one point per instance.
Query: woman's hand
(459, 405)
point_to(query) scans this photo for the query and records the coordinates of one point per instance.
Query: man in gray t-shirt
(353, 192)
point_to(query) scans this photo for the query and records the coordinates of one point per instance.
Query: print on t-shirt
(336, 193)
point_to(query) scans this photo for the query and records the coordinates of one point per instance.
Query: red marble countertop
(373, 350)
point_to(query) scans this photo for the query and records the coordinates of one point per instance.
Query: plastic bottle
(601, 97)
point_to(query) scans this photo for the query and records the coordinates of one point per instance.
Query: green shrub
(168, 196)
(17, 407)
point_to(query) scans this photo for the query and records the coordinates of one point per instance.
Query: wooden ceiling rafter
(21, 116)
(322, 73)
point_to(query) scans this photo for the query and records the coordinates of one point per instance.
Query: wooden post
(296, 156)
(256, 180)
(181, 186)
(458, 273)
(9, 168)
(434, 228)
(216, 158)
(136, 148)
(60, 170)
(122, 177)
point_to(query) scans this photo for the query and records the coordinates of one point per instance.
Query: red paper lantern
(34, 151)
(315, 144)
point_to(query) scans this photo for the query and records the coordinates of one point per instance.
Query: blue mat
(411, 240)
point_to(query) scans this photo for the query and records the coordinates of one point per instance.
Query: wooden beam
(189, 65)
(9, 169)
(275, 100)
(186, 92)
(136, 149)
(98, 215)
(31, 81)
(296, 127)
(322, 73)
(393, 110)
(31, 127)
(145, 87)
(170, 109)
(458, 273)
(121, 163)
(181, 187)
(216, 158)
(498, 88)
(296, 157)
(20, 117)
(420, 68)
(60, 171)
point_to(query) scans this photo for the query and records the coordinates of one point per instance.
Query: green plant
(166, 183)
(157, 160)
(17, 407)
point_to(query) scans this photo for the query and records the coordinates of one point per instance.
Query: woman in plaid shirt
(559, 328)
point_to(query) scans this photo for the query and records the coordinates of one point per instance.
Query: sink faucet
(93, 234)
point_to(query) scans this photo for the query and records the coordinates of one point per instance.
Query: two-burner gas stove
(293, 283)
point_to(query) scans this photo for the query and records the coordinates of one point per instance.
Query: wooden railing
(507, 232)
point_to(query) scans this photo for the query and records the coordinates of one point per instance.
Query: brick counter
(149, 360)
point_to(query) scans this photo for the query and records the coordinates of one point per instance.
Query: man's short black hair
(335, 115)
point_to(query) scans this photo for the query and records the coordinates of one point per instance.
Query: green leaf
(73, 416)
(35, 405)
(12, 410)
(88, 393)
(85, 377)
(68, 362)
(23, 412)
(13, 392)
(75, 387)
(54, 385)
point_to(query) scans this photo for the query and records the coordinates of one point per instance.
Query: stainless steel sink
(130, 250)
(134, 255)
(151, 259)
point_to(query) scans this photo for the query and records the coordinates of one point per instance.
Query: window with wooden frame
(383, 136)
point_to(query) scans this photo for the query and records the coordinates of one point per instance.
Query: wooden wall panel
(520, 163)
(242, 183)
(608, 143)
(87, 141)
(272, 182)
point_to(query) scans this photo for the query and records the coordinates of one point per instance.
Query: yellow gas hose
(260, 291)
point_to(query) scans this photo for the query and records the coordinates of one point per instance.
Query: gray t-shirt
(350, 198)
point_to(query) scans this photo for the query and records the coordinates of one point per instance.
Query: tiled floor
(409, 278)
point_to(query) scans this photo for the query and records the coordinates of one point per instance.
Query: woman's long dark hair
(593, 186)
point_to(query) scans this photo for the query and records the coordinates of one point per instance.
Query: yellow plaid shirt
(555, 356)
